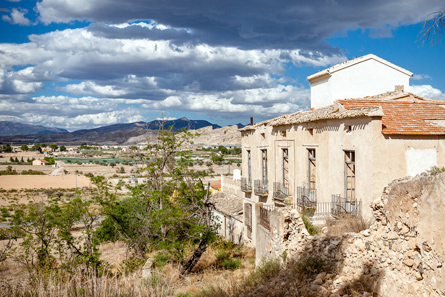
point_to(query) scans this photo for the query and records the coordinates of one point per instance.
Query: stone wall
(401, 254)
(229, 185)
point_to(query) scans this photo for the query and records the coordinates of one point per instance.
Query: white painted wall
(366, 78)
(419, 160)
(321, 94)
(229, 227)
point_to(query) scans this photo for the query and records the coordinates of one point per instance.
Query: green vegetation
(53, 146)
(50, 160)
(6, 148)
(435, 169)
(170, 212)
(312, 266)
(48, 242)
(9, 171)
(309, 227)
(265, 272)
(231, 264)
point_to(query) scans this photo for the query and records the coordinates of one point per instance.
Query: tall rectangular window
(285, 168)
(350, 175)
(264, 166)
(248, 219)
(249, 168)
(311, 169)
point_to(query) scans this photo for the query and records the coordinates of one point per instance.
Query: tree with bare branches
(433, 28)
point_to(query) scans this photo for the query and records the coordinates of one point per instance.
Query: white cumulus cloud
(427, 91)
(17, 17)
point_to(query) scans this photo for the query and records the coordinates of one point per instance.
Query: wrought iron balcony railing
(306, 197)
(279, 191)
(260, 188)
(342, 206)
(246, 185)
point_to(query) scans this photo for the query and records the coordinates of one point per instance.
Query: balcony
(260, 188)
(280, 193)
(246, 185)
(306, 199)
(342, 206)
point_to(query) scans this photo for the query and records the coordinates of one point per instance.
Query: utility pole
(75, 172)
(136, 174)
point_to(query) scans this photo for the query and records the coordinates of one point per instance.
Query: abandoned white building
(338, 156)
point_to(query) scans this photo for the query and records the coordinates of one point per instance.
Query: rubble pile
(401, 254)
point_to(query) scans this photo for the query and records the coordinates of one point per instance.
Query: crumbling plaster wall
(401, 254)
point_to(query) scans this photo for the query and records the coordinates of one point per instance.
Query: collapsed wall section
(401, 254)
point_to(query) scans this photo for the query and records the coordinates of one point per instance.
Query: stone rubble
(392, 257)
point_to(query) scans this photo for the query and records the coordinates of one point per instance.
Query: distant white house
(365, 76)
(39, 162)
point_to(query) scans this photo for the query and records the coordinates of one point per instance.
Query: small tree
(171, 211)
(48, 242)
(53, 146)
(50, 160)
(24, 148)
(217, 159)
(43, 145)
(62, 148)
(6, 148)
(36, 147)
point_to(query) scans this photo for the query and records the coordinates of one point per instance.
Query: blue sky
(88, 63)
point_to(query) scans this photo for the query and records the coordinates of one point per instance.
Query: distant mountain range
(113, 134)
(11, 128)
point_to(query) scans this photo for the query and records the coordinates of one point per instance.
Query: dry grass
(70, 286)
(164, 281)
(347, 224)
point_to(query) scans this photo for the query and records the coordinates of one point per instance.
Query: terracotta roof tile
(228, 203)
(406, 117)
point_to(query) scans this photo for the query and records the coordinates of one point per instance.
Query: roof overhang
(328, 72)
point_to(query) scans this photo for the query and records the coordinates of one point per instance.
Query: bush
(32, 172)
(312, 266)
(309, 227)
(231, 264)
(222, 256)
(435, 170)
(160, 259)
(262, 274)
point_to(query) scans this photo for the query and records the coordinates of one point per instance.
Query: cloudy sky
(86, 63)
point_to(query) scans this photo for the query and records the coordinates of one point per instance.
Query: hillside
(12, 128)
(132, 133)
(226, 135)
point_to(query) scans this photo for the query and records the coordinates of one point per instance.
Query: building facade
(338, 158)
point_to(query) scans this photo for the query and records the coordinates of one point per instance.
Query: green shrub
(309, 227)
(435, 169)
(222, 256)
(131, 265)
(160, 259)
(32, 172)
(231, 264)
(312, 266)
